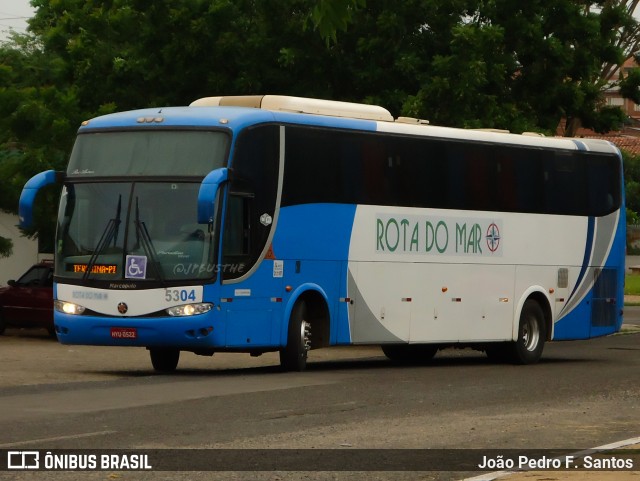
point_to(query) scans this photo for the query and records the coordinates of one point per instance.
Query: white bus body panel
(429, 290)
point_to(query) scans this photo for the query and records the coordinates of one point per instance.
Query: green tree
(471, 63)
(632, 186)
(331, 16)
(36, 126)
(127, 54)
(619, 16)
(523, 65)
(527, 65)
(494, 63)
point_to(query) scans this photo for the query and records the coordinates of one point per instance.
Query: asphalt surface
(581, 395)
(631, 323)
(96, 381)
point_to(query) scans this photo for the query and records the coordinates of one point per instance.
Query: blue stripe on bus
(328, 237)
(235, 118)
(321, 254)
(616, 260)
(581, 145)
(576, 324)
(573, 325)
(587, 255)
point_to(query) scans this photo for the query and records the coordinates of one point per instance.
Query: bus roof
(237, 112)
(300, 105)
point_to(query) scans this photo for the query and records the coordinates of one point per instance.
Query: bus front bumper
(190, 332)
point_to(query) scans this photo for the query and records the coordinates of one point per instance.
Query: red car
(28, 302)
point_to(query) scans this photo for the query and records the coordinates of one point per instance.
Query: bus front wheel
(531, 335)
(293, 357)
(164, 359)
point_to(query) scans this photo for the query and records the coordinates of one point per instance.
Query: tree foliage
(469, 63)
(527, 65)
(632, 186)
(331, 16)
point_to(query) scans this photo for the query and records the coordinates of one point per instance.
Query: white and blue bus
(272, 223)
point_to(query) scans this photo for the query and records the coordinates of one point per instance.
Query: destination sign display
(96, 269)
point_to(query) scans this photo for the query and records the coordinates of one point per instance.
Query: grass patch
(632, 285)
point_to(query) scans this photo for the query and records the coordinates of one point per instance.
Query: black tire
(532, 334)
(293, 357)
(3, 325)
(410, 353)
(164, 359)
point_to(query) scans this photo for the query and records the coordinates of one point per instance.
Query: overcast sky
(13, 15)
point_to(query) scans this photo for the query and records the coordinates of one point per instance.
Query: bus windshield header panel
(141, 152)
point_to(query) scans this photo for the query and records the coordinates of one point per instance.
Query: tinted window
(367, 168)
(37, 276)
(140, 152)
(251, 202)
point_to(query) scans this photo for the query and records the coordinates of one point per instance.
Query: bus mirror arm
(208, 192)
(31, 189)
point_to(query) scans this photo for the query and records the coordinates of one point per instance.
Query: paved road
(582, 394)
(632, 261)
(632, 316)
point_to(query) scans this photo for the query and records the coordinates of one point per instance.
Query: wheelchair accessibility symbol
(136, 267)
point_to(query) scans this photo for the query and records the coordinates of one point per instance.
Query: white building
(25, 250)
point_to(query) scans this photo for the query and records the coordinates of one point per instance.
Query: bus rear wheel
(164, 359)
(410, 353)
(531, 335)
(293, 357)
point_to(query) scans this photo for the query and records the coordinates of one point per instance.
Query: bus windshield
(140, 231)
(156, 153)
(140, 225)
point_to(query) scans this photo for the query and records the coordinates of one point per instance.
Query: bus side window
(236, 231)
(373, 187)
(603, 182)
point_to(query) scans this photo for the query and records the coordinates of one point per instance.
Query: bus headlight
(68, 307)
(190, 309)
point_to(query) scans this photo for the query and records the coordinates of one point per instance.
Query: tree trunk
(571, 126)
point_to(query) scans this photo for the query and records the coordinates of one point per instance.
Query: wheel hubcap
(305, 335)
(530, 334)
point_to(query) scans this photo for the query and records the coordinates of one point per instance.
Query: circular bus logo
(123, 308)
(493, 237)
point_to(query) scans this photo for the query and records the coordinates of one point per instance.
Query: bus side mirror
(207, 194)
(29, 192)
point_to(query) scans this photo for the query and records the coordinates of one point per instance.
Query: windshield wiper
(109, 234)
(144, 239)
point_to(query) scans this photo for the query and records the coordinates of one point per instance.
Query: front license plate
(124, 333)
